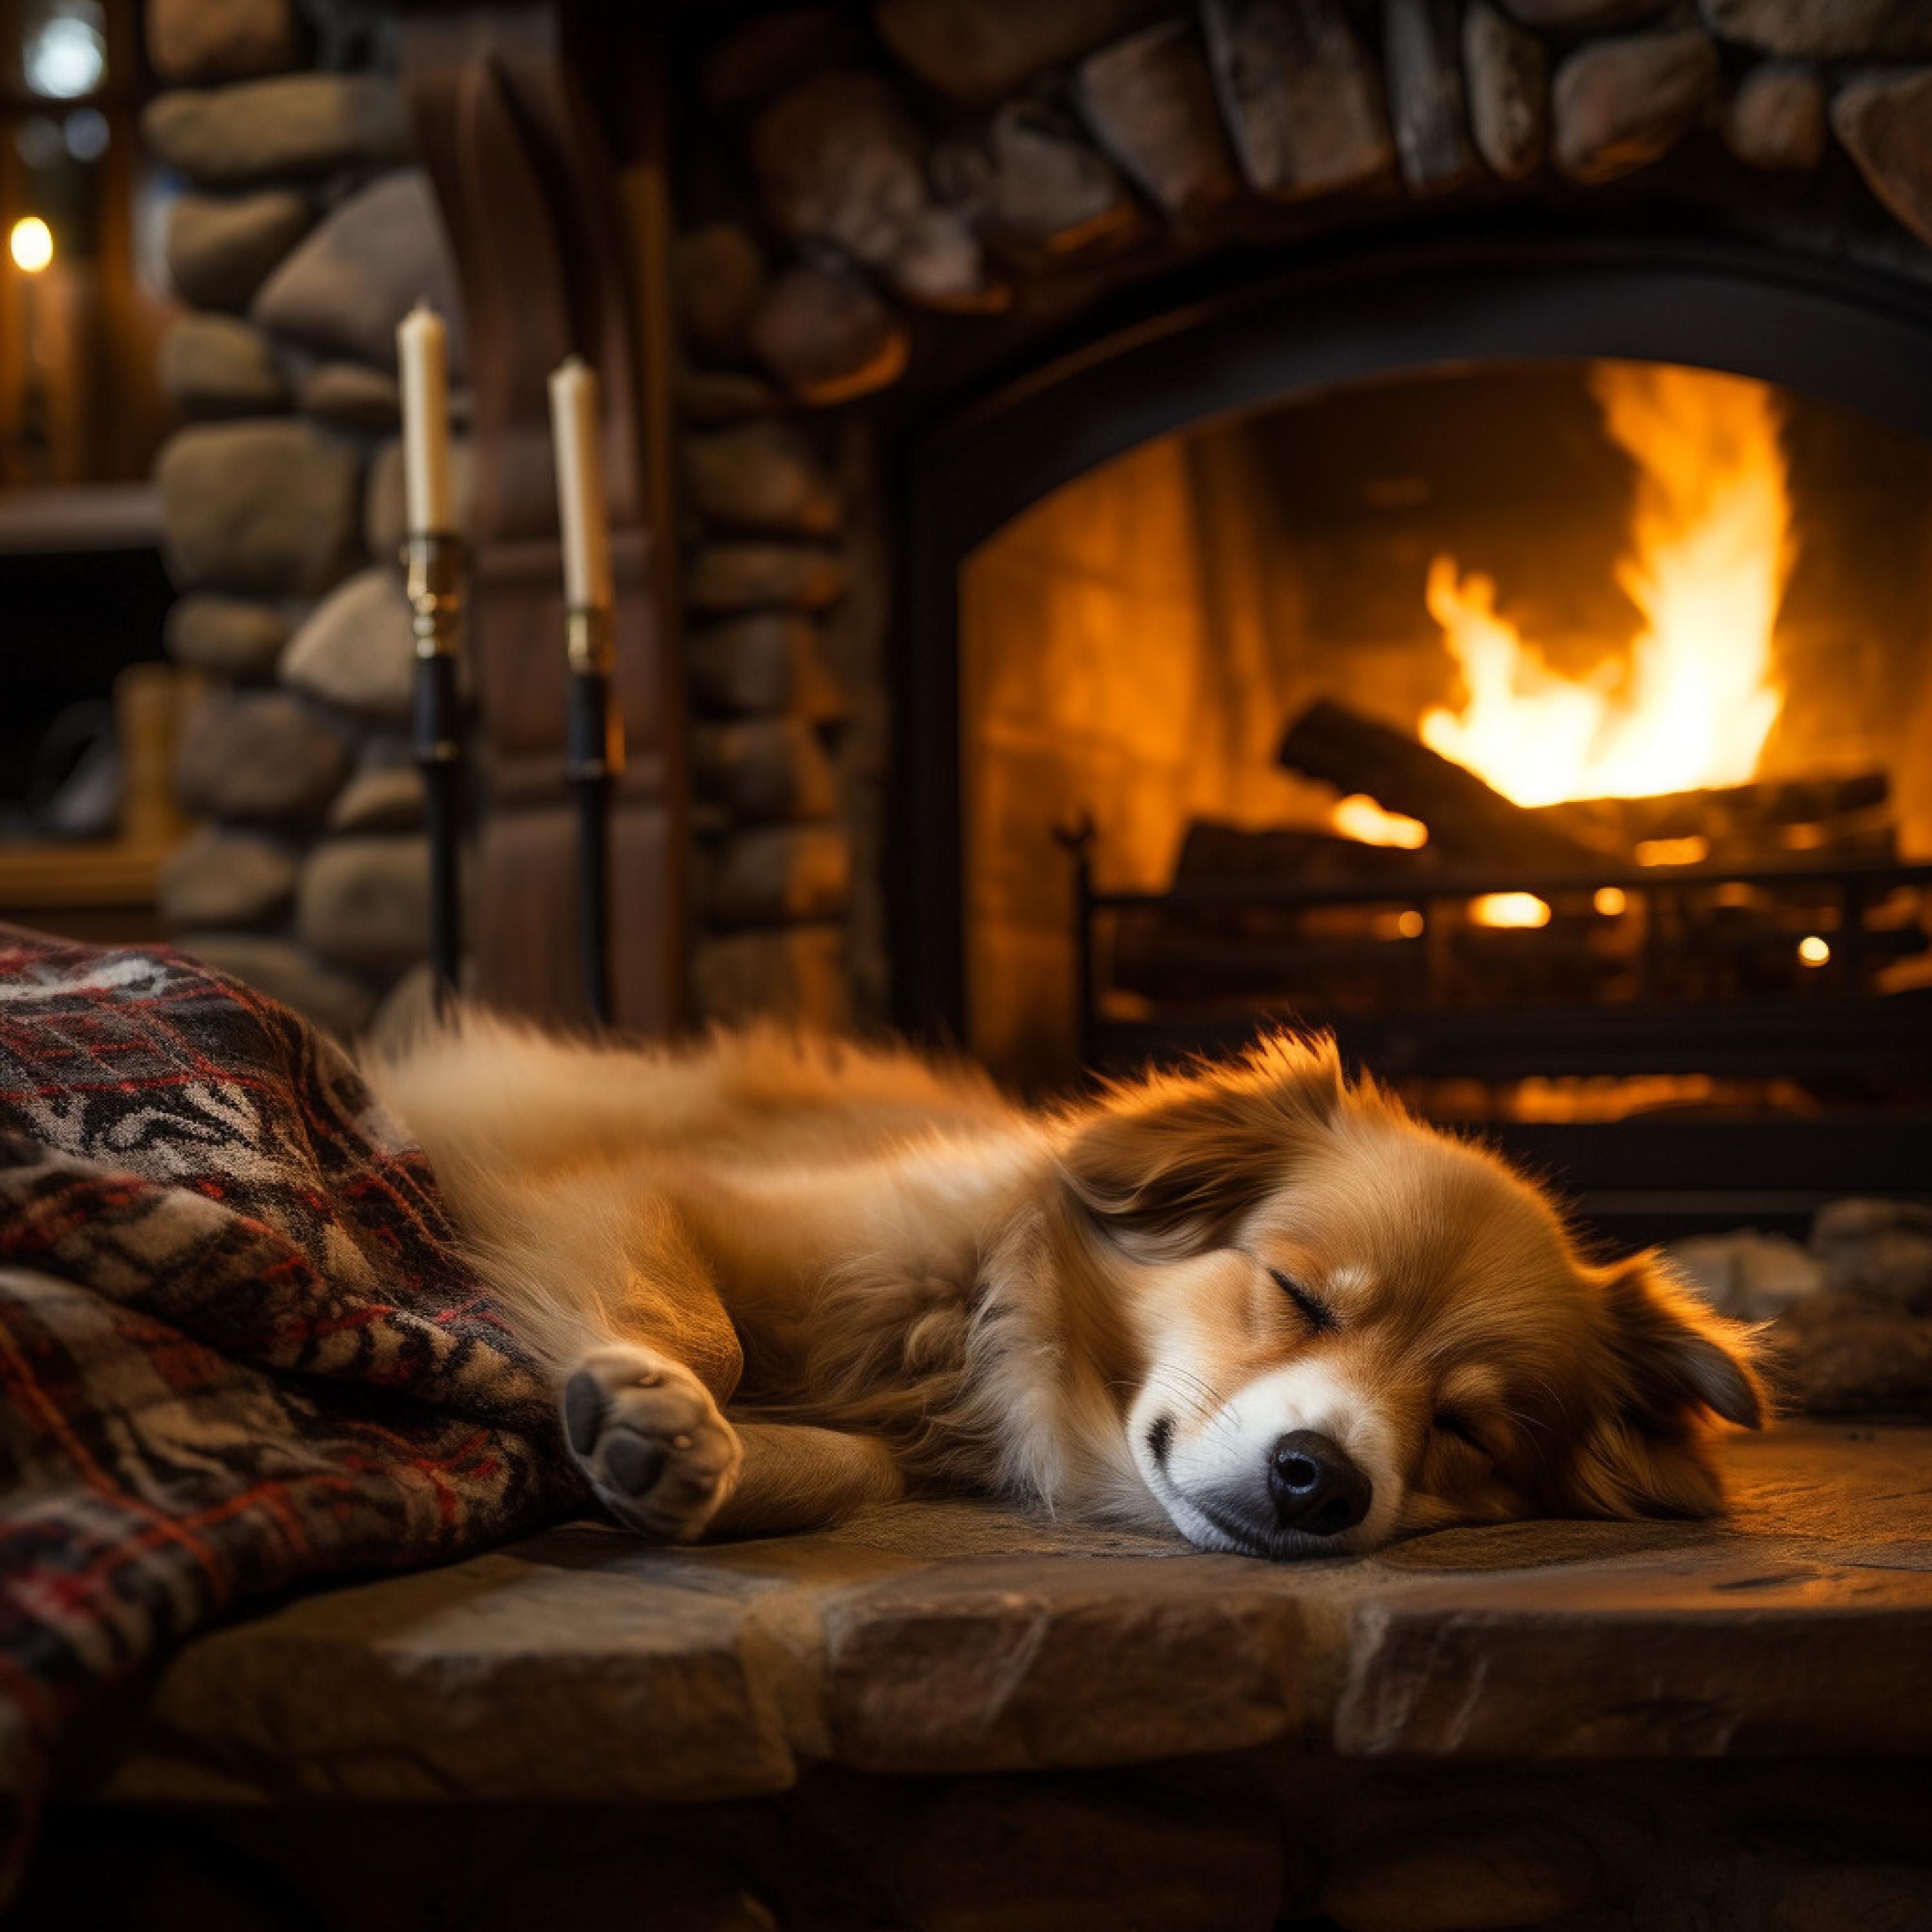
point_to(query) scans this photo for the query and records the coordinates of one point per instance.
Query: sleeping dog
(777, 1279)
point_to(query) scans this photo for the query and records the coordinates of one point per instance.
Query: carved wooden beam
(529, 196)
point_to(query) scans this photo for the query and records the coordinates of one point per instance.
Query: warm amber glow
(1409, 924)
(31, 244)
(1359, 817)
(1610, 900)
(1710, 549)
(1691, 851)
(1812, 950)
(1509, 909)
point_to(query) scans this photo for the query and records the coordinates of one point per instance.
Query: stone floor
(944, 1718)
(578, 1667)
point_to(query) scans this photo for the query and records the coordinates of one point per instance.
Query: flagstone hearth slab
(954, 1638)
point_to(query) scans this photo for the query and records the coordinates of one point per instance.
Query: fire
(1509, 909)
(1359, 817)
(1711, 547)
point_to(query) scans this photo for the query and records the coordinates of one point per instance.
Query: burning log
(1466, 818)
(1216, 854)
(1835, 818)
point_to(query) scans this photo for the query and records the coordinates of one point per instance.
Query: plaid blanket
(238, 1351)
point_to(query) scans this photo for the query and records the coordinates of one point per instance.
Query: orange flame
(1711, 549)
(1359, 817)
(1523, 909)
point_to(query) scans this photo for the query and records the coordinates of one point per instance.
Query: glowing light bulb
(1610, 900)
(31, 244)
(1409, 924)
(1812, 950)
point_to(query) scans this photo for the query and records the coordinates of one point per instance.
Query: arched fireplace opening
(1318, 511)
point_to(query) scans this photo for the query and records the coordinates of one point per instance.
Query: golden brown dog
(776, 1279)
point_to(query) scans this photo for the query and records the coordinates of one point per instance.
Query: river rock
(939, 265)
(220, 248)
(1884, 121)
(1302, 97)
(218, 365)
(270, 506)
(1034, 184)
(217, 878)
(365, 902)
(1577, 16)
(839, 160)
(356, 649)
(764, 576)
(779, 874)
(1881, 1248)
(1752, 1276)
(261, 755)
(295, 124)
(719, 274)
(766, 663)
(828, 337)
(1827, 29)
(1454, 1878)
(1425, 92)
(1853, 1354)
(763, 476)
(1506, 73)
(1150, 103)
(351, 395)
(1776, 118)
(190, 41)
(724, 396)
(385, 798)
(344, 288)
(285, 971)
(978, 51)
(1620, 104)
(764, 770)
(230, 636)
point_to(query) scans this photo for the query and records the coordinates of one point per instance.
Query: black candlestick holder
(434, 562)
(595, 757)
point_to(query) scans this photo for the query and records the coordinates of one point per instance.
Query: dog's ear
(1168, 1168)
(1675, 1352)
(1673, 1365)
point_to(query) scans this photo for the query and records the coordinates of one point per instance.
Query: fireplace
(1515, 658)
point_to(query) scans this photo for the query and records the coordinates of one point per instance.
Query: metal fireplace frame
(1849, 334)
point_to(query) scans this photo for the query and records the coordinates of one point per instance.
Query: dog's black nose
(1316, 1487)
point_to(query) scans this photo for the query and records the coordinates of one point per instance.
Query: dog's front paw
(660, 1456)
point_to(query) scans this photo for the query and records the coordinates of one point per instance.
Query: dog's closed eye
(1450, 1424)
(1316, 1312)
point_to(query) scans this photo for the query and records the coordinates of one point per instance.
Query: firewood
(1835, 818)
(1215, 853)
(1466, 818)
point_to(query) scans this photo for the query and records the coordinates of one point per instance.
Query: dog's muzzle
(1316, 1487)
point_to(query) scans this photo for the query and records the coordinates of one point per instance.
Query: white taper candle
(422, 352)
(574, 424)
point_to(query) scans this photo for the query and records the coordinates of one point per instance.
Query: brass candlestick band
(587, 638)
(432, 561)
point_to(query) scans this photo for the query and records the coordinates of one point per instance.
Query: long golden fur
(776, 1278)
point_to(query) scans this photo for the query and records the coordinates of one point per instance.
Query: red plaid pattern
(238, 1349)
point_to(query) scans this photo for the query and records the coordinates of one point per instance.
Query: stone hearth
(1619, 1722)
